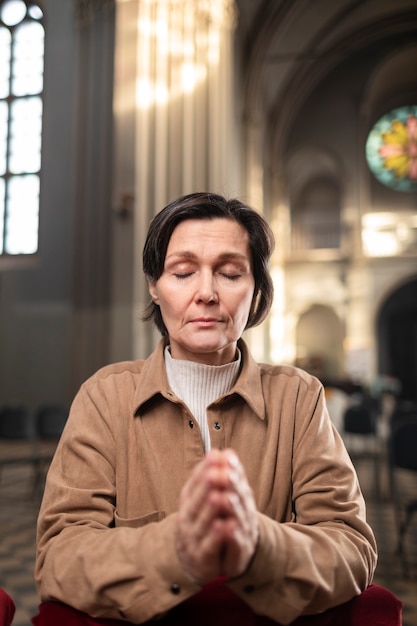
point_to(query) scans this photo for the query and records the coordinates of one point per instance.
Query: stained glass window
(391, 149)
(21, 87)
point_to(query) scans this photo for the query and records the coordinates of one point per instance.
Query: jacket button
(191, 424)
(175, 589)
(217, 425)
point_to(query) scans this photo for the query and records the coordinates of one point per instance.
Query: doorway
(397, 338)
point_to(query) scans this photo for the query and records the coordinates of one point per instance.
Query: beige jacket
(107, 521)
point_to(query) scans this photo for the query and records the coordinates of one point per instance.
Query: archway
(319, 337)
(397, 338)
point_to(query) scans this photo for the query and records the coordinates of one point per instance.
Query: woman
(197, 466)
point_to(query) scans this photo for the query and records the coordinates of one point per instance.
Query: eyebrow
(225, 256)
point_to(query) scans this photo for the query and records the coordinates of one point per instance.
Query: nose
(207, 291)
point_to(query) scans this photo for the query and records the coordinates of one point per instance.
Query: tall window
(315, 216)
(21, 86)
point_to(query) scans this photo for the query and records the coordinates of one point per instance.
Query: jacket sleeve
(84, 558)
(326, 554)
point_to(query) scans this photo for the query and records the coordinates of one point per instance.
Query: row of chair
(397, 450)
(20, 422)
(402, 462)
(29, 437)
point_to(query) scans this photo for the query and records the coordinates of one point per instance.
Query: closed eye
(182, 275)
(231, 276)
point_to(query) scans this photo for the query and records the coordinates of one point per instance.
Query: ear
(153, 290)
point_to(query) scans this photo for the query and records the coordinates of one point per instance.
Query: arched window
(21, 87)
(315, 216)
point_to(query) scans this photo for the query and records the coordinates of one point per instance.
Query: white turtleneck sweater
(198, 385)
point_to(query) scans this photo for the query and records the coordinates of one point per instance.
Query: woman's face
(206, 289)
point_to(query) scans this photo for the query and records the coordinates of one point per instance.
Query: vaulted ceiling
(295, 55)
(289, 46)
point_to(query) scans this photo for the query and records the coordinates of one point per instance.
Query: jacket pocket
(137, 522)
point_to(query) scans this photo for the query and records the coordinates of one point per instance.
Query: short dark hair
(206, 206)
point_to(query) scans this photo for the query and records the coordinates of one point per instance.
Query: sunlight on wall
(175, 125)
(389, 233)
(281, 328)
(178, 43)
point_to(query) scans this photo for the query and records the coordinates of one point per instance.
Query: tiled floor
(18, 511)
(389, 571)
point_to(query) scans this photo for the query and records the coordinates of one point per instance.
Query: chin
(212, 352)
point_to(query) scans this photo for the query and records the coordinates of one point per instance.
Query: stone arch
(397, 337)
(319, 339)
(315, 198)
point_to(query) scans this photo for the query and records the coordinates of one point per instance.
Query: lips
(204, 321)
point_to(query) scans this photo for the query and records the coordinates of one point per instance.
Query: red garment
(216, 605)
(7, 608)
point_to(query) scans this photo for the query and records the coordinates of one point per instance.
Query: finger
(198, 499)
(202, 501)
(200, 546)
(196, 522)
(238, 548)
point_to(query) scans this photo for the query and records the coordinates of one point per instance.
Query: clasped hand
(217, 528)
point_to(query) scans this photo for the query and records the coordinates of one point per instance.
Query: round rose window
(391, 149)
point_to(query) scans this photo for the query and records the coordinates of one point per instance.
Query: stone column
(93, 156)
(175, 87)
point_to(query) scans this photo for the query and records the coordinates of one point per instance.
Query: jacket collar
(154, 381)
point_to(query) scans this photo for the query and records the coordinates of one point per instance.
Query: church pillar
(176, 130)
(92, 186)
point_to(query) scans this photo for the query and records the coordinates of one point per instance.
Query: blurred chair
(403, 408)
(402, 455)
(50, 420)
(337, 400)
(18, 437)
(7, 608)
(360, 433)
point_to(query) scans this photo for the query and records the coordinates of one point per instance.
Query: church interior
(304, 109)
